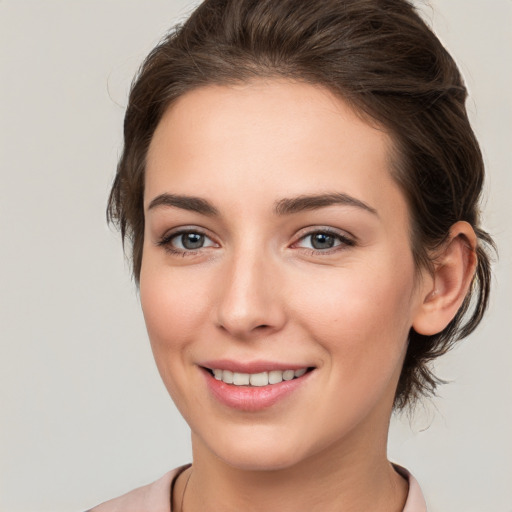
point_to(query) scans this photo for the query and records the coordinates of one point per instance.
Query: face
(277, 282)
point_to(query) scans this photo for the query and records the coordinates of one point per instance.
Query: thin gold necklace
(184, 489)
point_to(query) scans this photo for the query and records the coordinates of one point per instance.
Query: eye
(324, 240)
(186, 242)
(189, 241)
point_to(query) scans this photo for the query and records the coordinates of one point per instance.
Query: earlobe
(454, 268)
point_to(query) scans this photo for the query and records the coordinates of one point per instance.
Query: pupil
(192, 240)
(322, 241)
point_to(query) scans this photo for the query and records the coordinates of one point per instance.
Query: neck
(353, 476)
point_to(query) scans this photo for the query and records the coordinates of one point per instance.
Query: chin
(253, 452)
(259, 460)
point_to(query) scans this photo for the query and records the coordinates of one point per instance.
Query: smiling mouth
(257, 379)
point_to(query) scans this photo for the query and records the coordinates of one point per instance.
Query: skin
(257, 290)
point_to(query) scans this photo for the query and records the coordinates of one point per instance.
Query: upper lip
(250, 366)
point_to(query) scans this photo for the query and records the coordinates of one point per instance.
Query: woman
(300, 184)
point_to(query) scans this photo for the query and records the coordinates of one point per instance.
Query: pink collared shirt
(156, 497)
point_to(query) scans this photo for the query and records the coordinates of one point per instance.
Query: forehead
(276, 138)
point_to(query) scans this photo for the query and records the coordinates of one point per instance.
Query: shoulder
(154, 497)
(415, 500)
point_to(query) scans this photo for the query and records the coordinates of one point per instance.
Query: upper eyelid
(311, 230)
(170, 233)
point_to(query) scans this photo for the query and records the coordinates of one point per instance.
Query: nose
(250, 301)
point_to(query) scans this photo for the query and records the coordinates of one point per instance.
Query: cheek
(363, 329)
(173, 303)
(361, 318)
(174, 308)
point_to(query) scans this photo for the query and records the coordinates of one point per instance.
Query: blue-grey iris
(322, 241)
(192, 240)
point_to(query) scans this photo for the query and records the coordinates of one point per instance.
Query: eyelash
(166, 242)
(344, 242)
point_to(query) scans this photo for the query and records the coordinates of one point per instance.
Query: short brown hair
(379, 56)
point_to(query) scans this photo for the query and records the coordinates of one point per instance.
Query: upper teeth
(257, 379)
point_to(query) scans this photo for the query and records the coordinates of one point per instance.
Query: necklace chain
(184, 489)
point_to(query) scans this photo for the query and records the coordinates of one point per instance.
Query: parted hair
(380, 57)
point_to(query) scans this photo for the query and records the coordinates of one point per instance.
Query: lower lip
(252, 398)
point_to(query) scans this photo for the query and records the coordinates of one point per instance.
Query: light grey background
(84, 416)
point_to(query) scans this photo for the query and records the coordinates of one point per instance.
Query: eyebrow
(285, 206)
(313, 202)
(190, 203)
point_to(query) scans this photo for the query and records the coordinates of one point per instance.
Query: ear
(454, 268)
